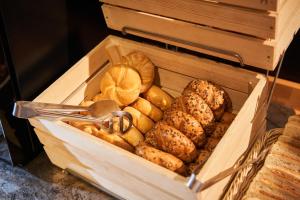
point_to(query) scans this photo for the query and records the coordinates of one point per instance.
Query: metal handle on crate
(236, 55)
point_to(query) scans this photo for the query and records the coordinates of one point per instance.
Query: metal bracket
(127, 30)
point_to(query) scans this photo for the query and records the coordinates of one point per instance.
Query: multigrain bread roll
(161, 158)
(227, 117)
(143, 66)
(140, 121)
(203, 156)
(187, 124)
(121, 84)
(169, 139)
(211, 144)
(220, 130)
(210, 93)
(147, 108)
(194, 105)
(158, 97)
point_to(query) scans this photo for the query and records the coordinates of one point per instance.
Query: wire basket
(239, 183)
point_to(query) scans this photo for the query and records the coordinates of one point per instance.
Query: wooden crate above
(259, 36)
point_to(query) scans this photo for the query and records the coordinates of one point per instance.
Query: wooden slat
(255, 52)
(103, 168)
(243, 20)
(231, 77)
(272, 5)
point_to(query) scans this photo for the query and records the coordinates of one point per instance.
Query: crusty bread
(187, 124)
(210, 93)
(194, 105)
(114, 139)
(148, 109)
(158, 97)
(161, 158)
(121, 84)
(140, 121)
(133, 136)
(169, 139)
(220, 130)
(143, 66)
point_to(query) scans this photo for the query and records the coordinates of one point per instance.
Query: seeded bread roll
(140, 121)
(211, 94)
(148, 109)
(194, 105)
(220, 130)
(187, 124)
(169, 139)
(158, 97)
(143, 66)
(228, 117)
(161, 158)
(203, 156)
(211, 144)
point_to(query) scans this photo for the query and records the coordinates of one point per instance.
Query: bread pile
(177, 134)
(279, 178)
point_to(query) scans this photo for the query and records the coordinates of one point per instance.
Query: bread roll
(194, 105)
(99, 97)
(187, 124)
(140, 121)
(158, 97)
(203, 156)
(210, 93)
(121, 84)
(114, 139)
(220, 130)
(169, 139)
(148, 109)
(143, 66)
(211, 144)
(227, 117)
(161, 158)
(133, 136)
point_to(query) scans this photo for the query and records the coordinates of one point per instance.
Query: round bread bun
(143, 66)
(159, 98)
(121, 84)
(187, 124)
(140, 121)
(148, 109)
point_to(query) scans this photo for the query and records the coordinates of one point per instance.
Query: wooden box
(256, 31)
(127, 175)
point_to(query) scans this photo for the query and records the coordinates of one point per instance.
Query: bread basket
(239, 183)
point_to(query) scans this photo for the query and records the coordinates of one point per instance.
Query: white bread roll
(143, 66)
(148, 109)
(121, 84)
(159, 98)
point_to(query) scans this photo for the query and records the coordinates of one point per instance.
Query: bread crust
(159, 98)
(121, 84)
(171, 140)
(187, 124)
(161, 158)
(143, 66)
(148, 109)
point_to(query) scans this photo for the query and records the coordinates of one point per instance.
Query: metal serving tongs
(103, 113)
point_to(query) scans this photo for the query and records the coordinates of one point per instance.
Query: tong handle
(51, 106)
